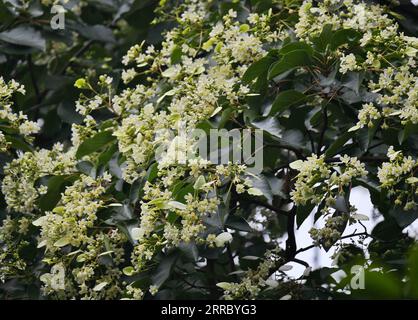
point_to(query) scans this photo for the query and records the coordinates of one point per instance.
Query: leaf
(129, 271)
(238, 223)
(96, 32)
(95, 143)
(322, 41)
(24, 36)
(254, 192)
(268, 124)
(341, 204)
(294, 59)
(62, 242)
(176, 205)
(361, 217)
(258, 68)
(387, 230)
(403, 218)
(200, 182)
(164, 270)
(100, 286)
(302, 212)
(261, 183)
(293, 46)
(286, 99)
(344, 36)
(85, 167)
(152, 172)
(189, 250)
(334, 148)
(56, 185)
(296, 165)
(407, 130)
(18, 143)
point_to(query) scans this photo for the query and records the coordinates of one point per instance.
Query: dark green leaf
(294, 59)
(95, 143)
(285, 100)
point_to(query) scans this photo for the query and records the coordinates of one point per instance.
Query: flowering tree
(102, 213)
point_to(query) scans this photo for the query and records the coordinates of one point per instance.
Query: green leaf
(291, 60)
(293, 46)
(24, 36)
(341, 204)
(56, 185)
(18, 143)
(344, 36)
(95, 143)
(129, 271)
(268, 124)
(255, 192)
(387, 230)
(238, 223)
(97, 32)
(408, 130)
(200, 182)
(62, 242)
(100, 286)
(302, 212)
(164, 269)
(85, 167)
(402, 217)
(286, 99)
(338, 143)
(258, 68)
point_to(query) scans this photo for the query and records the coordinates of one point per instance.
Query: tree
(107, 197)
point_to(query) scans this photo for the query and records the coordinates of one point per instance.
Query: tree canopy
(104, 197)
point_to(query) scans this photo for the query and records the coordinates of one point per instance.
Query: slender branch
(270, 207)
(304, 263)
(296, 151)
(344, 237)
(324, 128)
(291, 238)
(34, 82)
(230, 257)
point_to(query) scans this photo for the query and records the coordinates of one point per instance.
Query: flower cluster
(10, 120)
(398, 178)
(254, 281)
(22, 174)
(318, 180)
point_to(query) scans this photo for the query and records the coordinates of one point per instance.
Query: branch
(324, 128)
(34, 82)
(344, 237)
(295, 150)
(291, 238)
(270, 207)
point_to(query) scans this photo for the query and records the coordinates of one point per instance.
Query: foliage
(93, 210)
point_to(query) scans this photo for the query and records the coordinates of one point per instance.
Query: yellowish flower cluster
(69, 222)
(383, 44)
(182, 220)
(16, 121)
(91, 272)
(329, 234)
(22, 173)
(11, 262)
(345, 14)
(398, 178)
(318, 180)
(254, 280)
